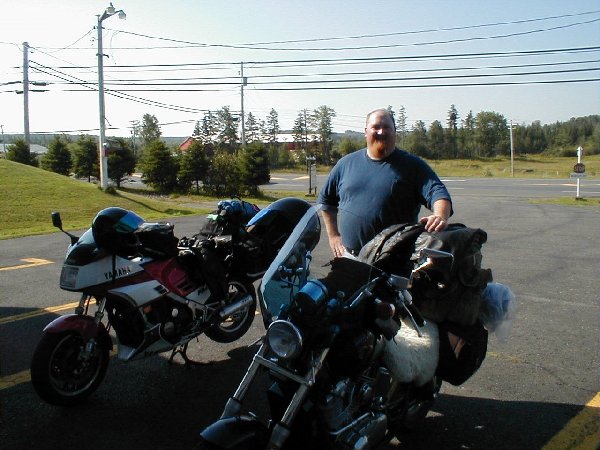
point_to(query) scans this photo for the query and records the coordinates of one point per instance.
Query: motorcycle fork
(282, 429)
(81, 309)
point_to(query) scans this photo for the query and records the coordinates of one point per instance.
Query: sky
(535, 60)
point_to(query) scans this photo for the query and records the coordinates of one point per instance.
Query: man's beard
(380, 146)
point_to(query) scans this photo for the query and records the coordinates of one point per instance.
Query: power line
(257, 45)
(365, 47)
(386, 59)
(200, 80)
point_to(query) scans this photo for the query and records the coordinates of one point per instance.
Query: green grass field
(28, 195)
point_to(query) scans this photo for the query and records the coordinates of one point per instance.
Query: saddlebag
(452, 292)
(462, 350)
(443, 292)
(157, 240)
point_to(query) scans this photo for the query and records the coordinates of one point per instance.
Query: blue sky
(411, 54)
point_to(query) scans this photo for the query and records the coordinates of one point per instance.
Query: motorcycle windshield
(299, 260)
(84, 251)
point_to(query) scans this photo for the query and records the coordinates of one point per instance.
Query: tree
(491, 133)
(159, 167)
(401, 126)
(58, 157)
(19, 152)
(208, 130)
(321, 119)
(436, 140)
(254, 166)
(121, 161)
(466, 137)
(223, 176)
(392, 113)
(85, 158)
(252, 128)
(227, 136)
(149, 130)
(452, 133)
(418, 143)
(300, 130)
(197, 129)
(348, 146)
(272, 127)
(193, 166)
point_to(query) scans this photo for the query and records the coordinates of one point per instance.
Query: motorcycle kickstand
(182, 350)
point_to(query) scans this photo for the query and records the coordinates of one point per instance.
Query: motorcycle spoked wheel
(236, 325)
(60, 375)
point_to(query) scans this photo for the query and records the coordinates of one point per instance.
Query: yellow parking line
(38, 312)
(582, 432)
(15, 379)
(31, 262)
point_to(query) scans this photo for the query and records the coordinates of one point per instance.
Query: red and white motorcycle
(156, 291)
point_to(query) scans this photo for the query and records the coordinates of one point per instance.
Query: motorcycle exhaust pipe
(235, 307)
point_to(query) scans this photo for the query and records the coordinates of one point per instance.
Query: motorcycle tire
(236, 325)
(60, 376)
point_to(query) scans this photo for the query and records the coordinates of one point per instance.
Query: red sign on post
(579, 168)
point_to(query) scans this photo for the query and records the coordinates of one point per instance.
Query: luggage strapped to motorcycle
(451, 298)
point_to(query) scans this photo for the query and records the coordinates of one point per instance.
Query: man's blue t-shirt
(370, 195)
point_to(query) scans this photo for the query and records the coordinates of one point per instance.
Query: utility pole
(26, 94)
(512, 151)
(3, 141)
(243, 83)
(102, 144)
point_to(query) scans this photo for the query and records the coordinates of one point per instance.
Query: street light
(110, 11)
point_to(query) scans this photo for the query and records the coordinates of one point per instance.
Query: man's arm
(331, 226)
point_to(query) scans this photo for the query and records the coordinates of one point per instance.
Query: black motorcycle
(348, 360)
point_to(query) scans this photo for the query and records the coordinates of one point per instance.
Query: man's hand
(335, 243)
(433, 223)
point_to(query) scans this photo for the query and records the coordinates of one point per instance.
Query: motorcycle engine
(353, 412)
(174, 318)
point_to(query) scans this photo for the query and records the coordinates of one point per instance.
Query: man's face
(381, 135)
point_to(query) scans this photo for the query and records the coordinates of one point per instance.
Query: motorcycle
(157, 292)
(349, 360)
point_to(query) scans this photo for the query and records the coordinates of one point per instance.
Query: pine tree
(58, 157)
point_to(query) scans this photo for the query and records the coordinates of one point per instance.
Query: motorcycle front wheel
(235, 326)
(63, 373)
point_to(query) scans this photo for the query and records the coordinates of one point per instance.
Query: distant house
(186, 144)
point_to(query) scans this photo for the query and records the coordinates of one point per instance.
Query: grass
(28, 195)
(524, 166)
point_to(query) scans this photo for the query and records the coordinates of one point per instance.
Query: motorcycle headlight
(284, 339)
(68, 277)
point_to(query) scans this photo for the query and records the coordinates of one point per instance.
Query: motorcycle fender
(235, 431)
(83, 325)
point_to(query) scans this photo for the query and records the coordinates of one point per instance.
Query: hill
(28, 195)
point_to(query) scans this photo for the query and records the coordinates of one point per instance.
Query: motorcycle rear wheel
(236, 325)
(59, 373)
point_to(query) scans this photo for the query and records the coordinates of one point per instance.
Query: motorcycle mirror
(434, 254)
(56, 220)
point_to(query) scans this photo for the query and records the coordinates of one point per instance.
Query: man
(379, 186)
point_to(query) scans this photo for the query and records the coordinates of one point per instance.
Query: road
(524, 395)
(511, 187)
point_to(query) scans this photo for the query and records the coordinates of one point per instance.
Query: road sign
(579, 168)
(578, 175)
